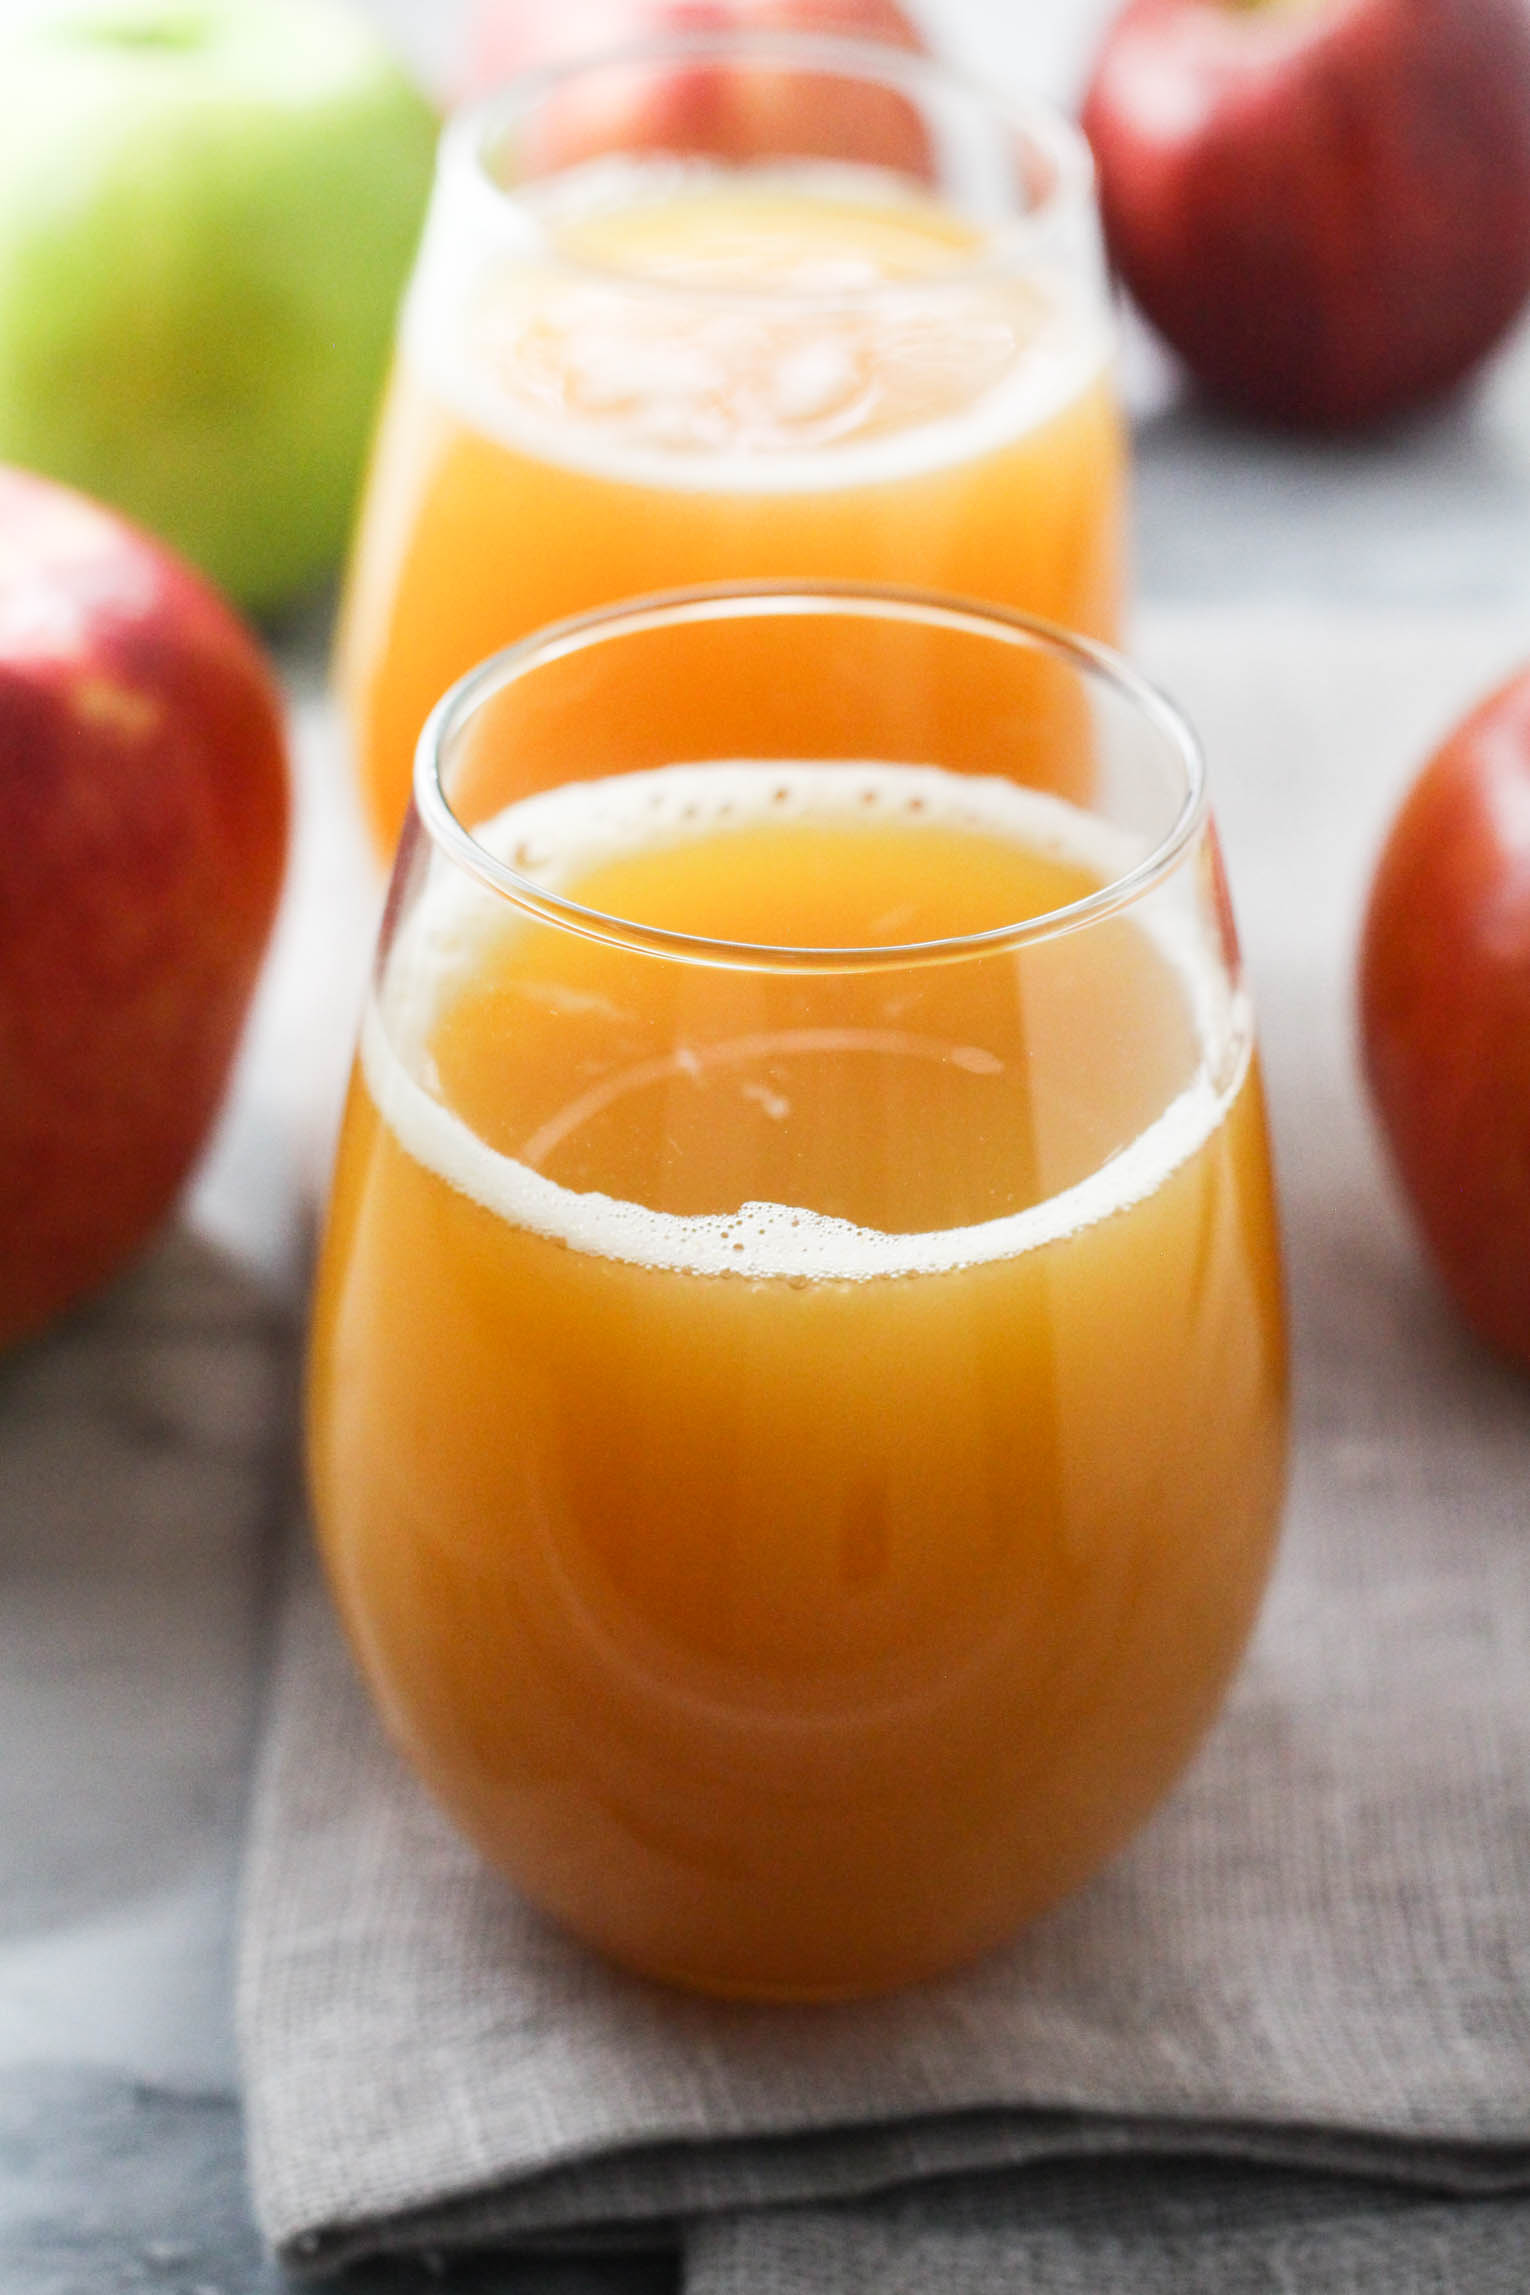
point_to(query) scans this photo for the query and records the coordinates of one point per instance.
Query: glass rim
(464, 159)
(724, 601)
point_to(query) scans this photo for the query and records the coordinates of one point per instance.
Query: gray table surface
(131, 1657)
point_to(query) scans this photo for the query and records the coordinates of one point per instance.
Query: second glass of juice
(733, 307)
(797, 1393)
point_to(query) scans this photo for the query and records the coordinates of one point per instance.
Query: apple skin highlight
(1323, 205)
(143, 831)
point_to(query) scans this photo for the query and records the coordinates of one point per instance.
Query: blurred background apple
(703, 107)
(1034, 46)
(503, 37)
(207, 208)
(1323, 205)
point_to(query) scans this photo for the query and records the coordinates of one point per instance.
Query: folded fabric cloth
(1314, 1964)
(1134, 2227)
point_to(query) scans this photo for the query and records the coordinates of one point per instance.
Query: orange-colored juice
(696, 375)
(798, 1451)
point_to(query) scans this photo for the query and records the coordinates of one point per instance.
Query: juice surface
(713, 378)
(798, 1453)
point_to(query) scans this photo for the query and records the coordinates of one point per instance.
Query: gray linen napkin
(1316, 1958)
(1140, 2227)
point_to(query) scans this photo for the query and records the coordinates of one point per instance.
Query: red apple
(1445, 1011)
(705, 108)
(143, 826)
(1324, 205)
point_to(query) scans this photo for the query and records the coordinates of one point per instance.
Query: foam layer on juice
(562, 836)
(813, 329)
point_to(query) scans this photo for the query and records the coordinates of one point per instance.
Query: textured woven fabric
(1136, 2228)
(1316, 1957)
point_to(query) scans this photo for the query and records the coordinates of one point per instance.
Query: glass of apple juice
(797, 1386)
(725, 307)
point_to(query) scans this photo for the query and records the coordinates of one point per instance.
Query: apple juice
(701, 374)
(797, 1449)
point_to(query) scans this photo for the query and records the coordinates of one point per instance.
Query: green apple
(207, 210)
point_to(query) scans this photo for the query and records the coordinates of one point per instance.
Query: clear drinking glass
(733, 306)
(798, 1393)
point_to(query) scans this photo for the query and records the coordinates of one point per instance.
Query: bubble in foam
(561, 835)
(578, 828)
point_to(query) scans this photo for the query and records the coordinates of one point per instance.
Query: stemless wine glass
(732, 306)
(798, 1394)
